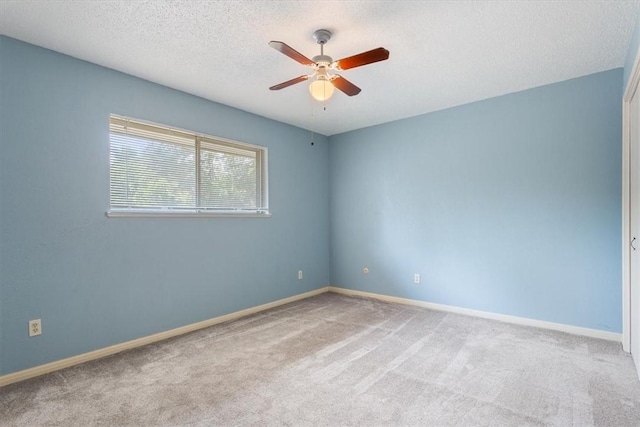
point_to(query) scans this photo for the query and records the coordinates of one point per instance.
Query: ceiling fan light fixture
(321, 89)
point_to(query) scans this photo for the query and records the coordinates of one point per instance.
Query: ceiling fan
(323, 66)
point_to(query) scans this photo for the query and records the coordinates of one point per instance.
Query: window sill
(156, 214)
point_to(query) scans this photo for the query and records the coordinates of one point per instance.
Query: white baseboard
(575, 330)
(117, 348)
(138, 342)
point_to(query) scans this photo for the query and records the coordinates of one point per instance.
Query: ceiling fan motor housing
(322, 60)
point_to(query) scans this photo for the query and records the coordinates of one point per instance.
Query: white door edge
(632, 85)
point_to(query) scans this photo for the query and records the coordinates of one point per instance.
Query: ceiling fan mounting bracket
(322, 36)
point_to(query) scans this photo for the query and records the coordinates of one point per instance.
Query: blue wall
(510, 205)
(97, 281)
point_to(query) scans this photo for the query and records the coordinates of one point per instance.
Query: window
(159, 170)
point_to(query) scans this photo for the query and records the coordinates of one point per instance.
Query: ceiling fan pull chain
(313, 124)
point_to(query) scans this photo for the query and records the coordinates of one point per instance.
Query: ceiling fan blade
(345, 85)
(289, 82)
(291, 53)
(364, 58)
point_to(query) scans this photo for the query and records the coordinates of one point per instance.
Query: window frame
(262, 177)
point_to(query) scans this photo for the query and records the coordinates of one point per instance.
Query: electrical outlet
(35, 327)
(416, 278)
(299, 274)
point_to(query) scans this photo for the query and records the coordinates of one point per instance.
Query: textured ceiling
(443, 53)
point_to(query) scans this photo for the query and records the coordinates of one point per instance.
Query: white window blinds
(154, 168)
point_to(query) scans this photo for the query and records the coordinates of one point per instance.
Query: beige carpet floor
(333, 360)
